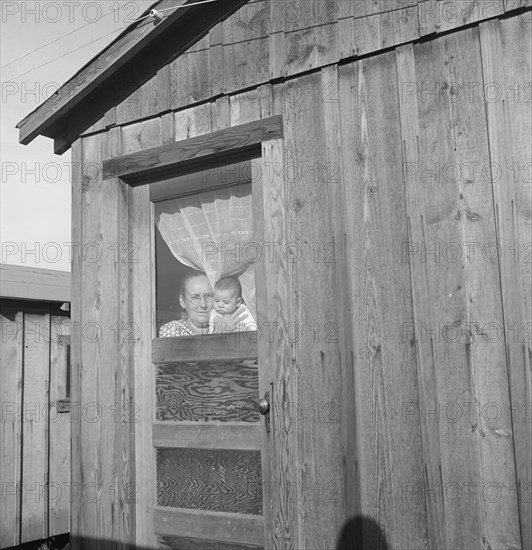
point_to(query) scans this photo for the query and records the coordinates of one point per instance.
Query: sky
(35, 183)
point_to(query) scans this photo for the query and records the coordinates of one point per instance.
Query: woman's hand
(228, 323)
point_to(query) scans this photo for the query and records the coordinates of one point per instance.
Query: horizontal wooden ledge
(210, 347)
(241, 436)
(159, 162)
(221, 526)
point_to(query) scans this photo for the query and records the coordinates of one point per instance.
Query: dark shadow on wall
(361, 533)
(165, 542)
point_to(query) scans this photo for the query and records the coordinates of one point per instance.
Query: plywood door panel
(219, 480)
(225, 477)
(223, 391)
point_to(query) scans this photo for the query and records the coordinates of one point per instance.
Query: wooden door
(207, 437)
(203, 458)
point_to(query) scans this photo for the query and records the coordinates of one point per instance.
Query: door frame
(261, 140)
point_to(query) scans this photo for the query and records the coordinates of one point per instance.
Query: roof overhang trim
(125, 65)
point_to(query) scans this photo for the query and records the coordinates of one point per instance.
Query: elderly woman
(196, 297)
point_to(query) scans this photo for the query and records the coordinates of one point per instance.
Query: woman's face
(198, 301)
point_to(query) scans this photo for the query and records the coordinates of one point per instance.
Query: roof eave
(127, 63)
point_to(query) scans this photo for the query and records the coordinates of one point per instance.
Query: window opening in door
(204, 266)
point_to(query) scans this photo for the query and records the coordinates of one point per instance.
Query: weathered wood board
(389, 161)
(34, 435)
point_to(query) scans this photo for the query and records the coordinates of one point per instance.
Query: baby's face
(226, 301)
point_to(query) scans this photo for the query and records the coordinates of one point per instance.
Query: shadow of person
(361, 533)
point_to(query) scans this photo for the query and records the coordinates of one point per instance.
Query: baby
(227, 299)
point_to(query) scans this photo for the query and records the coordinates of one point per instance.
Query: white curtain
(208, 232)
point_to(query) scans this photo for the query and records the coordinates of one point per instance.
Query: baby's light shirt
(248, 323)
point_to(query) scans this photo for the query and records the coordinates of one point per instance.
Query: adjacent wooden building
(35, 404)
(390, 141)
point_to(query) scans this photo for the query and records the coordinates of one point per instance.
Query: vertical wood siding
(267, 40)
(34, 436)
(410, 377)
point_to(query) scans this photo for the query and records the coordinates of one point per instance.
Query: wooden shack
(35, 404)
(387, 146)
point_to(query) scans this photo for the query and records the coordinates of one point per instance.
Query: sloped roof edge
(91, 61)
(129, 61)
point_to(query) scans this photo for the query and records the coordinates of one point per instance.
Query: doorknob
(264, 406)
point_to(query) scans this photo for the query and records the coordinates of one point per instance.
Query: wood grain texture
(224, 391)
(205, 479)
(134, 139)
(34, 512)
(208, 347)
(342, 275)
(212, 435)
(168, 128)
(269, 225)
(441, 131)
(276, 369)
(437, 16)
(462, 212)
(374, 32)
(11, 353)
(250, 22)
(360, 9)
(123, 406)
(98, 126)
(517, 55)
(389, 449)
(317, 362)
(32, 283)
(512, 224)
(59, 429)
(140, 300)
(455, 369)
(75, 345)
(223, 527)
(145, 165)
(135, 136)
(259, 42)
(187, 543)
(106, 418)
(143, 102)
(246, 107)
(310, 48)
(216, 61)
(190, 78)
(426, 368)
(510, 5)
(99, 306)
(193, 122)
(245, 64)
(486, 381)
(164, 92)
(141, 280)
